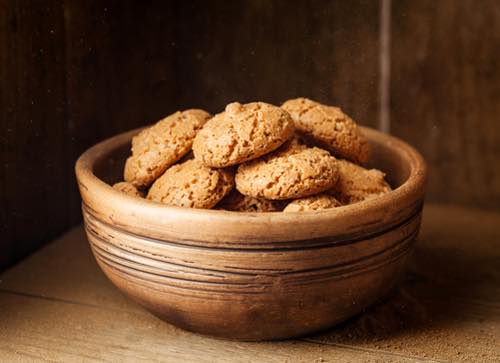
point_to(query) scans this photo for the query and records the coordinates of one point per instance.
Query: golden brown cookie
(192, 185)
(329, 127)
(129, 188)
(357, 183)
(290, 172)
(315, 202)
(161, 145)
(238, 202)
(242, 133)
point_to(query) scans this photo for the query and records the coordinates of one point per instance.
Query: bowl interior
(109, 168)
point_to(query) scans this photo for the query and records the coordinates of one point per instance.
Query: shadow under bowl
(252, 276)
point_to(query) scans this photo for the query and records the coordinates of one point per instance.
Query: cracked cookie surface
(192, 185)
(128, 188)
(242, 133)
(293, 171)
(161, 145)
(329, 127)
(315, 202)
(356, 183)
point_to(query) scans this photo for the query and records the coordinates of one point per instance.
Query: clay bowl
(252, 276)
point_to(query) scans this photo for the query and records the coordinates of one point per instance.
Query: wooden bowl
(252, 276)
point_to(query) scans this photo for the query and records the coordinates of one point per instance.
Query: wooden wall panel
(75, 72)
(33, 148)
(274, 50)
(446, 94)
(120, 71)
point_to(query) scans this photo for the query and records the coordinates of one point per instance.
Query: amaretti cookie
(128, 188)
(315, 202)
(193, 185)
(292, 172)
(357, 183)
(242, 133)
(328, 126)
(161, 145)
(238, 202)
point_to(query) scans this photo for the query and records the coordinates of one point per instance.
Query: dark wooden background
(75, 72)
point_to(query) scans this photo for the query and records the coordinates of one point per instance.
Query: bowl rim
(92, 188)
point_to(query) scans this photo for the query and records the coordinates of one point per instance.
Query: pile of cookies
(253, 157)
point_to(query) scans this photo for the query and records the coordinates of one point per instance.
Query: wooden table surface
(57, 306)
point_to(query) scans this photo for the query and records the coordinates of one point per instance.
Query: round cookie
(161, 145)
(329, 127)
(191, 185)
(293, 171)
(128, 188)
(242, 133)
(357, 183)
(238, 202)
(315, 202)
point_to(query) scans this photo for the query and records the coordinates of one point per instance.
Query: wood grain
(120, 72)
(272, 51)
(33, 161)
(448, 306)
(99, 335)
(446, 94)
(440, 313)
(72, 73)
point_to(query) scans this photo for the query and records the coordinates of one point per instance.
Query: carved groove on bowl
(373, 229)
(176, 266)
